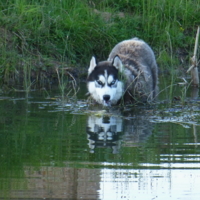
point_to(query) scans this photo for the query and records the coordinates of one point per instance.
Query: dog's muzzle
(106, 100)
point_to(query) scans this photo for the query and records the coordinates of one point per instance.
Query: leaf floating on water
(98, 113)
(101, 113)
(52, 98)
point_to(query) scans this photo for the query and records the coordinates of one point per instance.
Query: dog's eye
(113, 82)
(100, 83)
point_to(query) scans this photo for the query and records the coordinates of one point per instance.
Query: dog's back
(140, 71)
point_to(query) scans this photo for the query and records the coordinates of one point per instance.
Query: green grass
(70, 31)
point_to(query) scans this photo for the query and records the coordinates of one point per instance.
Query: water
(53, 149)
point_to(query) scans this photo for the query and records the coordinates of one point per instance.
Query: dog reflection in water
(110, 131)
(104, 132)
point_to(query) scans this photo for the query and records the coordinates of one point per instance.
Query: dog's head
(103, 82)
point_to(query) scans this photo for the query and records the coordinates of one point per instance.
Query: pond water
(53, 149)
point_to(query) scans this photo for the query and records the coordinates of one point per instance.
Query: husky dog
(130, 73)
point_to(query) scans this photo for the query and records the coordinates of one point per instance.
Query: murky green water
(52, 149)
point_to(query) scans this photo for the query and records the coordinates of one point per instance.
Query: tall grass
(71, 31)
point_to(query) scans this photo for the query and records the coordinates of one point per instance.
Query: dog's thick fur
(130, 73)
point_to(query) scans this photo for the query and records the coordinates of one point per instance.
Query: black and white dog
(130, 73)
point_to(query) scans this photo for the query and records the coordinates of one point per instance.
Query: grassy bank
(39, 36)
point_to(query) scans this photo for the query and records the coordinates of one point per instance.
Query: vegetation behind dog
(41, 37)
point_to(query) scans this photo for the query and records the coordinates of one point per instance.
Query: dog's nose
(106, 97)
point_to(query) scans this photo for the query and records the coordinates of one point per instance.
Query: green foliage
(74, 30)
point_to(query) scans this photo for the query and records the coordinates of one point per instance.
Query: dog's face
(103, 81)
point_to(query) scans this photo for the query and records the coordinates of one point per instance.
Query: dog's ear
(92, 65)
(118, 63)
